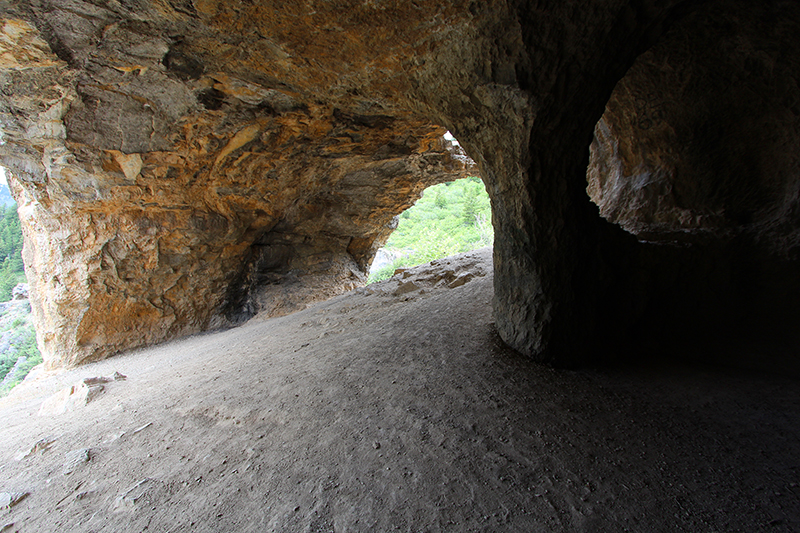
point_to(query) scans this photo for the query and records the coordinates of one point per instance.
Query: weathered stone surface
(40, 446)
(695, 155)
(20, 292)
(183, 166)
(143, 492)
(10, 499)
(698, 136)
(451, 272)
(75, 459)
(73, 397)
(176, 191)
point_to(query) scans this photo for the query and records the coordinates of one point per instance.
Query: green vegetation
(450, 218)
(18, 350)
(11, 269)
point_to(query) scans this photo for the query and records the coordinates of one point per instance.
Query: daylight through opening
(19, 352)
(448, 219)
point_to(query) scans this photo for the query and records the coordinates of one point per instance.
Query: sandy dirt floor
(396, 408)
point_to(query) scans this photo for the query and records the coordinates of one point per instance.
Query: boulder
(71, 398)
(20, 292)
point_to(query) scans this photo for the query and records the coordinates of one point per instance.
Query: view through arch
(448, 219)
(19, 353)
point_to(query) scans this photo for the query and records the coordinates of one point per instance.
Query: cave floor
(376, 412)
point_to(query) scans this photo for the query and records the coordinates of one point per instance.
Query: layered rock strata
(159, 199)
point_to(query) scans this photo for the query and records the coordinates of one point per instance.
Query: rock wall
(185, 165)
(695, 155)
(161, 196)
(699, 134)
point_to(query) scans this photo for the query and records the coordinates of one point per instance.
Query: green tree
(470, 208)
(17, 331)
(12, 270)
(440, 201)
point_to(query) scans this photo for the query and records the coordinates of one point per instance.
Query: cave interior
(183, 166)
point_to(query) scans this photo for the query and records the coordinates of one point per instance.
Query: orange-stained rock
(180, 187)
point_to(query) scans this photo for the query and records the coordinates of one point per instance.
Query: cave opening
(323, 243)
(19, 353)
(448, 218)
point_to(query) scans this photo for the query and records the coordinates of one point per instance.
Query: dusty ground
(376, 412)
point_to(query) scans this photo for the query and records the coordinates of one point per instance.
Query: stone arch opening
(695, 155)
(448, 218)
(323, 244)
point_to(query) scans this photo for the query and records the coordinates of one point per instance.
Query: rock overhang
(169, 177)
(185, 166)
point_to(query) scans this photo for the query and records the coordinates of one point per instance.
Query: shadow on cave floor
(381, 410)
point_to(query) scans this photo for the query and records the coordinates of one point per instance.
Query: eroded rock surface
(165, 189)
(450, 272)
(699, 135)
(695, 154)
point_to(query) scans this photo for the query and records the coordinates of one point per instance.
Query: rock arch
(695, 156)
(183, 165)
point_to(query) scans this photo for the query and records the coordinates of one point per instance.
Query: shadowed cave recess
(187, 165)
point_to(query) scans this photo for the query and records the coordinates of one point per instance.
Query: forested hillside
(450, 218)
(11, 268)
(18, 350)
